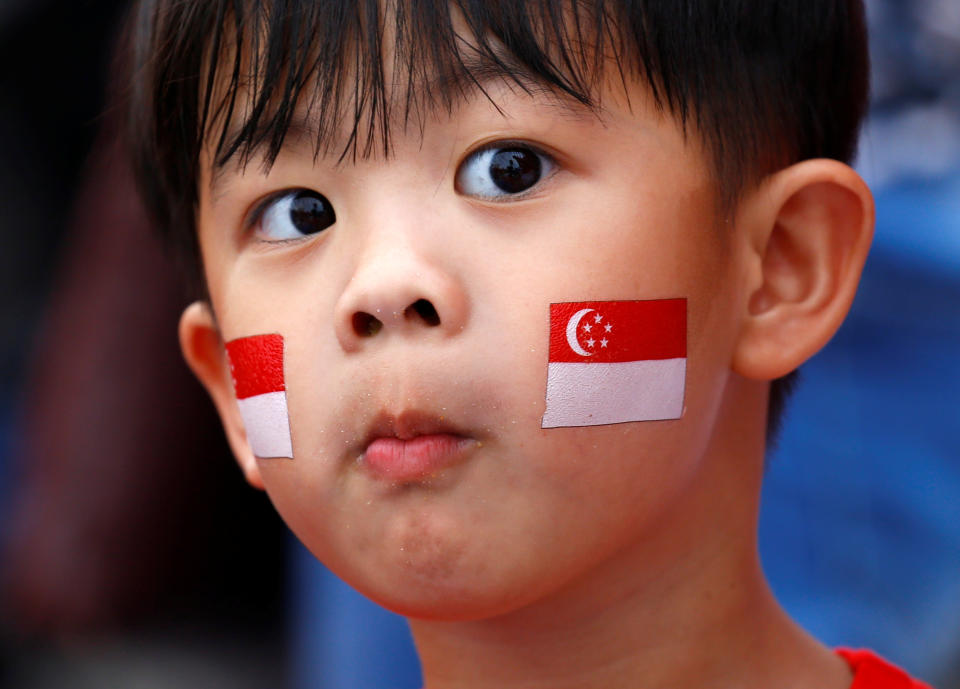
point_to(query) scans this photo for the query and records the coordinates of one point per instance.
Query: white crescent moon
(572, 332)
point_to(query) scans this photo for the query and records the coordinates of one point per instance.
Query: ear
(203, 349)
(809, 227)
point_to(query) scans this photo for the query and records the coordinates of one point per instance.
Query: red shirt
(870, 671)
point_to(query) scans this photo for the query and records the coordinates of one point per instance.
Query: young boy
(500, 299)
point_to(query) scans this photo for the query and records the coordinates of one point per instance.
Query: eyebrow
(303, 127)
(299, 130)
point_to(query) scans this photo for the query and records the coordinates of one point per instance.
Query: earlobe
(202, 347)
(811, 233)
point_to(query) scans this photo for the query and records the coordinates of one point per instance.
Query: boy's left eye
(502, 170)
(295, 214)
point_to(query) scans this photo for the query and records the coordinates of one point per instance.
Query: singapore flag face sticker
(256, 365)
(616, 361)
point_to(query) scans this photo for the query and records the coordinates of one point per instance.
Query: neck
(688, 606)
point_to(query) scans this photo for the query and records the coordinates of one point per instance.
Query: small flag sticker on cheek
(256, 366)
(616, 361)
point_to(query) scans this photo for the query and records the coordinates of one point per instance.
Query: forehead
(348, 74)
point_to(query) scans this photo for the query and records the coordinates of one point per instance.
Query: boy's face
(622, 208)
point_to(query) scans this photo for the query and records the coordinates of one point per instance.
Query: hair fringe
(762, 84)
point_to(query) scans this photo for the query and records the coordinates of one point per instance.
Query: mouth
(412, 446)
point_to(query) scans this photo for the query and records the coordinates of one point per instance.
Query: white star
(590, 342)
(608, 327)
(587, 327)
(603, 342)
(597, 318)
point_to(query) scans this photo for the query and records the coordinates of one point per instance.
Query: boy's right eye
(294, 215)
(503, 170)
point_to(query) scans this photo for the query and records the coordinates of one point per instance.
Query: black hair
(763, 83)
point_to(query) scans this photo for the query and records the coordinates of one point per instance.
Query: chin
(447, 603)
(442, 586)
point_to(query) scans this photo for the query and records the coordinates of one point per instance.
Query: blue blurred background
(860, 529)
(116, 571)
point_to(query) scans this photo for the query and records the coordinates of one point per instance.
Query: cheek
(619, 474)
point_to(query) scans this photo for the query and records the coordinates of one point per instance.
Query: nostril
(365, 324)
(425, 310)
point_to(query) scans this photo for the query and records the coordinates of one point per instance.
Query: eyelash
(506, 143)
(255, 216)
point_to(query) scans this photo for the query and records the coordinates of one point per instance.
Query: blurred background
(133, 555)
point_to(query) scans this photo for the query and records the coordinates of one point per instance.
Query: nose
(399, 292)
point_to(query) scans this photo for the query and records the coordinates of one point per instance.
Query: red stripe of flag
(256, 365)
(618, 331)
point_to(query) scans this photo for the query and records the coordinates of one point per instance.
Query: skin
(609, 556)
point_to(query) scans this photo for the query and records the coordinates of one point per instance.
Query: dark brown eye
(515, 169)
(499, 172)
(297, 214)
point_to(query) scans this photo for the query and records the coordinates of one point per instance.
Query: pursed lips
(412, 445)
